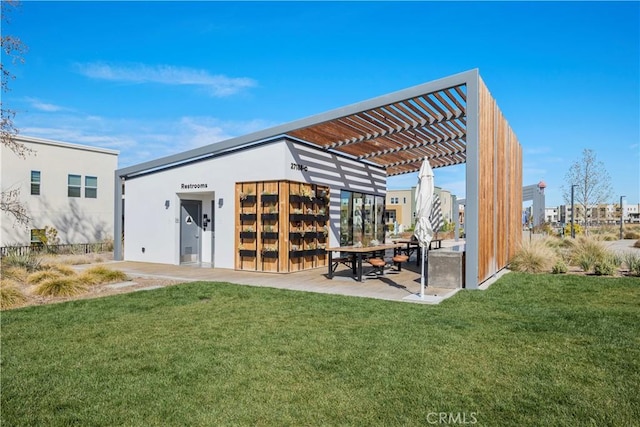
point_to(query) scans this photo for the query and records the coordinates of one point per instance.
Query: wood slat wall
(499, 188)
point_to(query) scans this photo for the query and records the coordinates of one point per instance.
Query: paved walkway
(394, 286)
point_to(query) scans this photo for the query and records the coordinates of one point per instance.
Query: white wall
(148, 224)
(77, 219)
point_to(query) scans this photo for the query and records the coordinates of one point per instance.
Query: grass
(532, 350)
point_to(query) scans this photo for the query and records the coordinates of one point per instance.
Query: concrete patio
(403, 286)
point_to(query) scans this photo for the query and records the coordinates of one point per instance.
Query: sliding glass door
(361, 218)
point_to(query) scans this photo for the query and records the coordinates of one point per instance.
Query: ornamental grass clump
(61, 286)
(559, 267)
(28, 261)
(632, 262)
(534, 257)
(10, 295)
(587, 252)
(42, 275)
(99, 274)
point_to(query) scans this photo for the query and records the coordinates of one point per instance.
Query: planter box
(270, 254)
(246, 253)
(248, 217)
(322, 218)
(248, 200)
(247, 234)
(302, 217)
(296, 254)
(295, 198)
(270, 216)
(310, 234)
(269, 198)
(270, 235)
(295, 235)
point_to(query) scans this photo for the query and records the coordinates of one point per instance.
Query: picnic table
(413, 245)
(355, 255)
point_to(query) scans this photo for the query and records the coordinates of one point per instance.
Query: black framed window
(91, 187)
(74, 186)
(35, 183)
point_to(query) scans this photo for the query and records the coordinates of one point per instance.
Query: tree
(13, 48)
(591, 180)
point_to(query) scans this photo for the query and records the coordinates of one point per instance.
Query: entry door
(190, 230)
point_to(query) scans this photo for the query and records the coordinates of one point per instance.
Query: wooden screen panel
(499, 187)
(486, 184)
(503, 186)
(246, 220)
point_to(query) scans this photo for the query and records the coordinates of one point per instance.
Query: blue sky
(155, 78)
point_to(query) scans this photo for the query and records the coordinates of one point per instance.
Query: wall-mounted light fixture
(167, 203)
(220, 202)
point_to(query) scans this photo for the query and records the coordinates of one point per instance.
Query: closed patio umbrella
(423, 229)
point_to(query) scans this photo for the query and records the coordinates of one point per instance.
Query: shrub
(604, 268)
(559, 267)
(577, 228)
(99, 274)
(633, 263)
(63, 269)
(586, 252)
(636, 244)
(61, 286)
(29, 261)
(533, 257)
(632, 235)
(41, 276)
(10, 295)
(17, 274)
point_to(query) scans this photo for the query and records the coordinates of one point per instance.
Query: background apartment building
(65, 186)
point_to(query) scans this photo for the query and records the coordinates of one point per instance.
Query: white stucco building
(188, 213)
(198, 207)
(65, 186)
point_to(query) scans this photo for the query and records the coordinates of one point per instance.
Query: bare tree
(12, 48)
(591, 180)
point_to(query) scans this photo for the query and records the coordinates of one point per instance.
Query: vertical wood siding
(500, 188)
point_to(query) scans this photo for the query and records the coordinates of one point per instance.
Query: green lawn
(532, 350)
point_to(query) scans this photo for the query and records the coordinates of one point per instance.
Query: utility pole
(573, 211)
(621, 218)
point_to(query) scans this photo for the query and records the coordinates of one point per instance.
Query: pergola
(449, 121)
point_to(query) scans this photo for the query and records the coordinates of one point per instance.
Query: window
(404, 200)
(74, 186)
(90, 187)
(35, 183)
(36, 235)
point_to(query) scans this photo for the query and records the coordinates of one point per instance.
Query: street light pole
(621, 218)
(573, 210)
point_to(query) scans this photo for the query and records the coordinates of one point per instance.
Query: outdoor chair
(378, 266)
(344, 260)
(398, 260)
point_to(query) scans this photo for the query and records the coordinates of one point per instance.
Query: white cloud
(138, 141)
(43, 106)
(216, 84)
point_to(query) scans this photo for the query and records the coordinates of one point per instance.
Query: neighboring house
(65, 186)
(399, 207)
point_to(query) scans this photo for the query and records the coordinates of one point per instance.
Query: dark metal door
(190, 230)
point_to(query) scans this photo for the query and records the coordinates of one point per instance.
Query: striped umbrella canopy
(436, 217)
